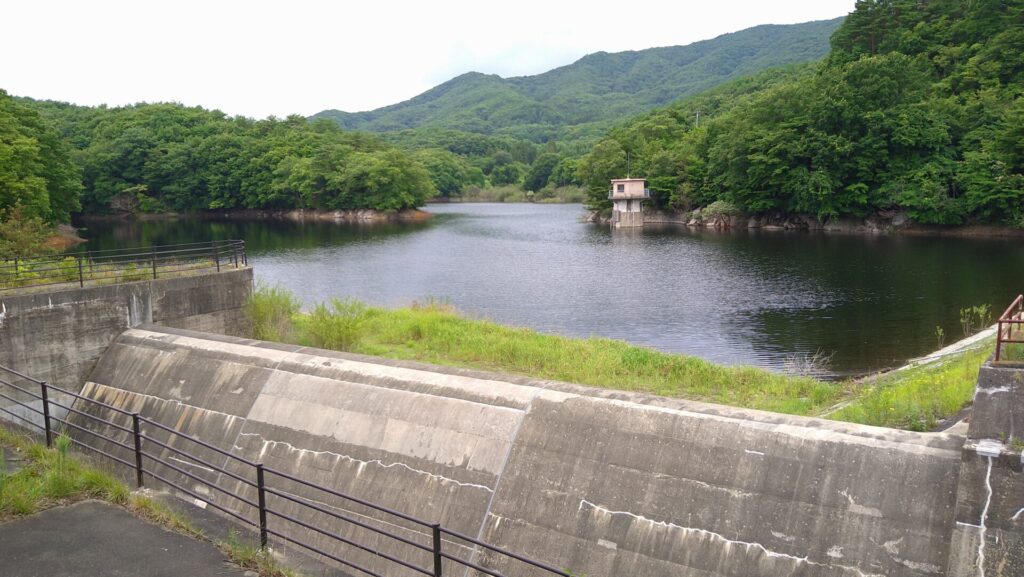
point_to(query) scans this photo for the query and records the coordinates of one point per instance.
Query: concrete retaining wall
(988, 535)
(604, 483)
(57, 336)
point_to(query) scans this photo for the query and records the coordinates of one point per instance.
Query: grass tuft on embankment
(49, 477)
(434, 332)
(917, 398)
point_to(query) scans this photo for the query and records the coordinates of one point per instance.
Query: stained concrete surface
(605, 483)
(57, 336)
(95, 539)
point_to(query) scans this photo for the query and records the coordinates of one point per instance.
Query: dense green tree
(539, 174)
(170, 157)
(36, 172)
(449, 172)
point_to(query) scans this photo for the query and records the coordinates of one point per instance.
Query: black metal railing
(120, 265)
(38, 400)
(1010, 328)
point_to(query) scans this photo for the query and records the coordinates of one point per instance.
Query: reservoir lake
(766, 298)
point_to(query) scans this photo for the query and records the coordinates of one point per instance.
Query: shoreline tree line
(917, 108)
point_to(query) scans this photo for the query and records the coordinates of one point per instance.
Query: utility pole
(698, 120)
(627, 164)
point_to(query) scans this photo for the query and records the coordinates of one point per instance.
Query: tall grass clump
(248, 555)
(270, 310)
(337, 326)
(51, 477)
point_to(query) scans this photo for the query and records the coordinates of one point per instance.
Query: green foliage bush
(270, 310)
(22, 235)
(720, 208)
(338, 326)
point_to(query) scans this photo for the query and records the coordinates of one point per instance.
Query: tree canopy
(172, 157)
(916, 108)
(36, 173)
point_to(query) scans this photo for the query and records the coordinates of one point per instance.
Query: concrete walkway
(94, 539)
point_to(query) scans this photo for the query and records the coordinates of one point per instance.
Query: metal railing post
(153, 257)
(81, 275)
(216, 256)
(138, 449)
(46, 414)
(999, 338)
(263, 505)
(436, 530)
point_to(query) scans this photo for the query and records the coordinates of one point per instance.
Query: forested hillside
(168, 157)
(36, 171)
(580, 99)
(917, 108)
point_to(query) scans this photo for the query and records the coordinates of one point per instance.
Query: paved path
(94, 539)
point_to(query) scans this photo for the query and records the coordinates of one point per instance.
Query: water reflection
(757, 297)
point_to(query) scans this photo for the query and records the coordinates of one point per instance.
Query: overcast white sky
(278, 58)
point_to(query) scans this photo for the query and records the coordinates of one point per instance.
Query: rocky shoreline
(881, 223)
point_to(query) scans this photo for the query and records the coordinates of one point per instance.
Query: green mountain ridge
(917, 109)
(588, 95)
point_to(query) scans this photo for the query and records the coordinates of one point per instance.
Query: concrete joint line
(277, 366)
(501, 473)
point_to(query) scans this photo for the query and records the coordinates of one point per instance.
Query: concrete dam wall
(602, 483)
(57, 335)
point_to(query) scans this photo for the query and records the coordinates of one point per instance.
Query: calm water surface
(761, 298)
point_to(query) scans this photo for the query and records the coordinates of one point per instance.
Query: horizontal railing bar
(198, 460)
(26, 377)
(505, 552)
(17, 402)
(341, 517)
(158, 248)
(145, 261)
(196, 441)
(346, 541)
(87, 415)
(27, 420)
(202, 498)
(93, 433)
(26, 391)
(471, 565)
(324, 553)
(101, 451)
(87, 399)
(398, 514)
(195, 477)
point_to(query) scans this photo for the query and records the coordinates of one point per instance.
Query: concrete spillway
(600, 482)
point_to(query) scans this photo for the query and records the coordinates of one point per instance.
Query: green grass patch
(917, 398)
(434, 332)
(1013, 352)
(49, 477)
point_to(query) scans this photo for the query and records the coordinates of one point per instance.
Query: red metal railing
(1010, 329)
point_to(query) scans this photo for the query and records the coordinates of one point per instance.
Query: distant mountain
(599, 88)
